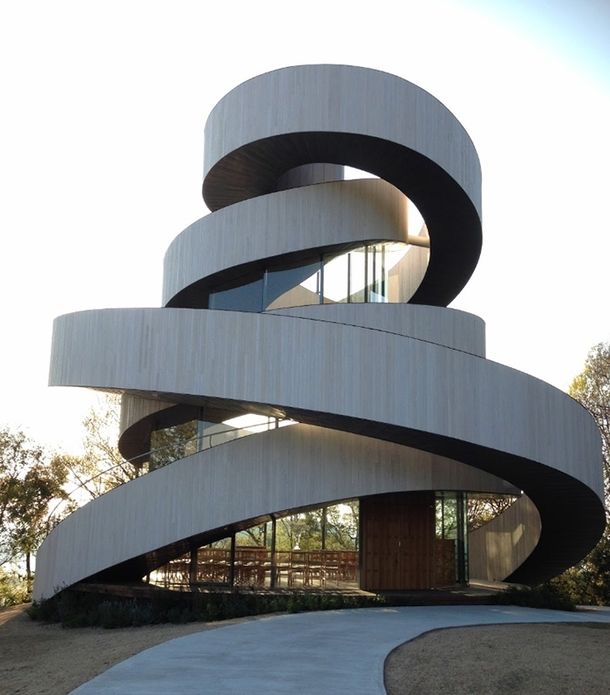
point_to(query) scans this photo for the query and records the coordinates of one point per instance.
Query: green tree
(13, 589)
(29, 484)
(300, 531)
(100, 467)
(172, 443)
(304, 530)
(483, 508)
(342, 525)
(592, 388)
(41, 484)
(589, 581)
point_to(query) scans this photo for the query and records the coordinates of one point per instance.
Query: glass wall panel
(370, 273)
(213, 563)
(483, 507)
(341, 526)
(215, 433)
(314, 282)
(205, 430)
(314, 549)
(296, 286)
(357, 274)
(462, 538)
(336, 278)
(248, 297)
(377, 279)
(395, 255)
(253, 537)
(451, 556)
(172, 443)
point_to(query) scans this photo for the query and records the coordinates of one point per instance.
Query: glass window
(370, 273)
(311, 549)
(296, 286)
(248, 297)
(377, 280)
(357, 274)
(395, 254)
(336, 278)
(451, 552)
(172, 443)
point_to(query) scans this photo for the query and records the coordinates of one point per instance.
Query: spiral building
(316, 302)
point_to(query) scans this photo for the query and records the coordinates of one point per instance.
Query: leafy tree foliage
(338, 524)
(172, 443)
(342, 526)
(589, 582)
(592, 388)
(13, 589)
(28, 485)
(101, 467)
(101, 427)
(300, 531)
(483, 508)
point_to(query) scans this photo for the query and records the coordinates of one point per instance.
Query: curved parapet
(499, 547)
(309, 298)
(446, 327)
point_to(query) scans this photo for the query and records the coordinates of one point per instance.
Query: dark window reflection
(248, 297)
(295, 286)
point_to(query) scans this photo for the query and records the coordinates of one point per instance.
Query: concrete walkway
(329, 652)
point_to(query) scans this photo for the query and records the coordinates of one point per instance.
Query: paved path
(330, 652)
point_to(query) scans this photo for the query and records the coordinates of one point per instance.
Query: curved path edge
(326, 652)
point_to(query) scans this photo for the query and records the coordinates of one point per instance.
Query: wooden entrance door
(397, 541)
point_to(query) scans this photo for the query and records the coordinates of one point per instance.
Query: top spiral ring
(354, 116)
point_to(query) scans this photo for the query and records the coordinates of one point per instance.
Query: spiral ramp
(286, 301)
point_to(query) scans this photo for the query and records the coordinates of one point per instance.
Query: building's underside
(307, 298)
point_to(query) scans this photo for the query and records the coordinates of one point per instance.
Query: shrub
(547, 595)
(79, 609)
(14, 589)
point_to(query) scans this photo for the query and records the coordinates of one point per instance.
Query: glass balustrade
(173, 443)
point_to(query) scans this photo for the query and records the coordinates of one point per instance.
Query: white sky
(101, 148)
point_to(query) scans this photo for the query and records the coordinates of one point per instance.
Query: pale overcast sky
(101, 150)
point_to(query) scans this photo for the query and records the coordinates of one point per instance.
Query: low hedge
(79, 609)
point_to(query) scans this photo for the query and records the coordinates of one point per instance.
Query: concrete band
(446, 327)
